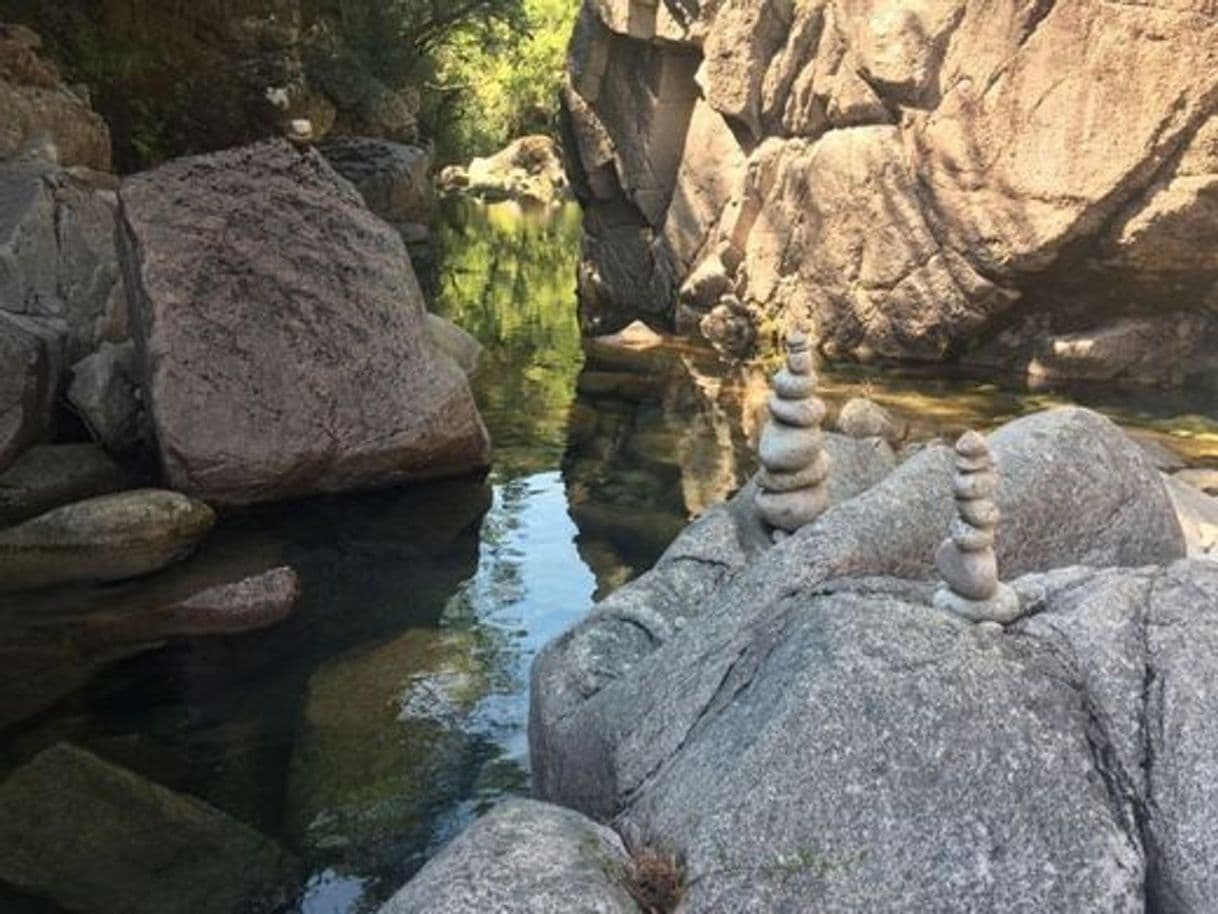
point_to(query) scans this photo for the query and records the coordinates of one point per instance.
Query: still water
(390, 710)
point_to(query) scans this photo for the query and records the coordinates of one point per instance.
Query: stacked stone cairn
(792, 490)
(966, 559)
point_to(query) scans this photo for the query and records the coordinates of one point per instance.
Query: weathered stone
(1198, 515)
(48, 476)
(523, 857)
(107, 538)
(1203, 479)
(103, 391)
(253, 275)
(1075, 490)
(246, 605)
(788, 449)
(98, 838)
(392, 178)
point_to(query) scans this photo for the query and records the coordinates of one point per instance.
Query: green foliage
(501, 82)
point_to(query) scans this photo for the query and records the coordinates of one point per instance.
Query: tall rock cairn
(966, 559)
(793, 458)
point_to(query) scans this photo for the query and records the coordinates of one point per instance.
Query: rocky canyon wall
(1029, 184)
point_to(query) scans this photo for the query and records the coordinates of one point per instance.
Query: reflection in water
(390, 710)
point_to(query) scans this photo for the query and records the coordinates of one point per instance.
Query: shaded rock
(103, 391)
(31, 359)
(37, 109)
(528, 168)
(863, 418)
(130, 844)
(57, 251)
(454, 342)
(48, 476)
(1075, 490)
(636, 334)
(523, 857)
(1198, 515)
(392, 178)
(246, 344)
(107, 538)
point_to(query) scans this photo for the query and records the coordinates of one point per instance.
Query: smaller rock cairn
(966, 559)
(793, 458)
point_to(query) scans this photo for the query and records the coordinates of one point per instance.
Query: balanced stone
(792, 489)
(966, 559)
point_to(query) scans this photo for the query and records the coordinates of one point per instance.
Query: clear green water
(390, 710)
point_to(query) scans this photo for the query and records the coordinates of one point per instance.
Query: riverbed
(390, 710)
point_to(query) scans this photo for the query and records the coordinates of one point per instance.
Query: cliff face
(1032, 183)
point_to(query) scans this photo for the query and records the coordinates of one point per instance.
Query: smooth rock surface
(51, 475)
(523, 857)
(107, 538)
(1096, 500)
(100, 839)
(455, 342)
(254, 274)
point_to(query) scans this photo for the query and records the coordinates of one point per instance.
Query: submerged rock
(283, 336)
(523, 857)
(51, 475)
(107, 538)
(99, 839)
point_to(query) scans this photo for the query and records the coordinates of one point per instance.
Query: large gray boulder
(282, 333)
(99, 839)
(523, 857)
(107, 538)
(607, 709)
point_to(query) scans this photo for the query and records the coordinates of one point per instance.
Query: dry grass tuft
(655, 880)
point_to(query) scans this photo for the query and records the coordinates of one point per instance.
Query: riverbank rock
(1074, 490)
(104, 393)
(527, 169)
(255, 275)
(37, 109)
(1198, 514)
(31, 359)
(98, 839)
(523, 857)
(51, 475)
(880, 171)
(394, 179)
(107, 538)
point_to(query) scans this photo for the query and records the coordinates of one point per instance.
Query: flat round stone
(970, 574)
(812, 475)
(969, 538)
(800, 362)
(980, 512)
(791, 510)
(809, 413)
(794, 386)
(1002, 608)
(974, 464)
(785, 448)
